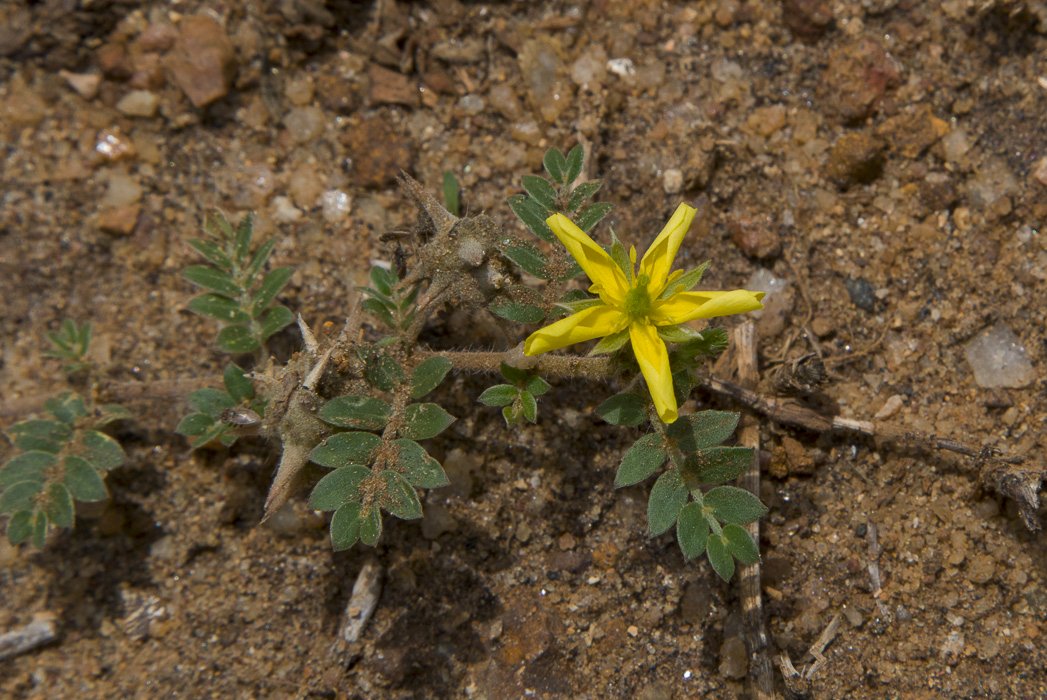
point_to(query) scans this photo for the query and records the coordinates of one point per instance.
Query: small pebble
(335, 205)
(862, 293)
(890, 407)
(85, 84)
(139, 103)
(284, 210)
(304, 123)
(755, 235)
(299, 90)
(622, 67)
(203, 61)
(734, 662)
(672, 181)
(999, 359)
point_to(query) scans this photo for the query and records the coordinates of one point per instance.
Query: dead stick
(761, 675)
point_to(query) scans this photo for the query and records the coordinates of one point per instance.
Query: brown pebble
(120, 220)
(335, 93)
(980, 568)
(390, 87)
(857, 77)
(113, 61)
(85, 84)
(1039, 171)
(566, 541)
(203, 61)
(856, 158)
(822, 327)
(755, 235)
(912, 133)
(807, 19)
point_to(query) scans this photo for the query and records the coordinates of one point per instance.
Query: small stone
(734, 662)
(85, 84)
(672, 181)
(285, 521)
(633, 630)
(437, 521)
(503, 99)
(589, 70)
(955, 145)
(139, 103)
(299, 90)
(113, 61)
(938, 191)
(284, 210)
(156, 38)
(807, 19)
(255, 187)
(463, 51)
(523, 532)
(890, 407)
(22, 106)
(336, 94)
(113, 145)
(777, 304)
(203, 61)
(856, 158)
(120, 220)
(856, 78)
(541, 67)
(755, 235)
(952, 646)
(306, 186)
(122, 190)
(566, 541)
(335, 205)
(854, 617)
(1039, 171)
(822, 327)
(999, 360)
(862, 293)
(991, 183)
(304, 124)
(390, 87)
(622, 67)
(471, 104)
(766, 121)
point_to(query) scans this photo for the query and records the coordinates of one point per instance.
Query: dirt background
(887, 159)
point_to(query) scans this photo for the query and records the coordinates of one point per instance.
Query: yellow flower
(638, 302)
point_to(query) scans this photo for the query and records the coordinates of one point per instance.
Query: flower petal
(687, 306)
(653, 359)
(658, 259)
(594, 322)
(594, 260)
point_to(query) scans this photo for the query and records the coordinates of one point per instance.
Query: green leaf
(216, 431)
(536, 385)
(555, 164)
(361, 412)
(712, 343)
(573, 164)
(400, 498)
(685, 282)
(420, 468)
(623, 409)
(451, 192)
(382, 371)
(99, 450)
(236, 339)
(611, 343)
(371, 527)
(271, 285)
(39, 529)
(428, 375)
(582, 193)
(194, 424)
(532, 215)
(211, 402)
(244, 232)
(379, 309)
(528, 258)
(383, 280)
(237, 383)
(425, 420)
(692, 531)
(678, 334)
(740, 544)
(641, 460)
(216, 225)
(731, 504)
(718, 465)
(83, 481)
(28, 466)
(345, 527)
(338, 488)
(592, 215)
(20, 527)
(703, 429)
(258, 260)
(20, 496)
(344, 449)
(109, 413)
(668, 496)
(720, 557)
(541, 191)
(499, 395)
(576, 305)
(67, 407)
(218, 307)
(38, 434)
(620, 256)
(212, 252)
(215, 280)
(528, 406)
(59, 506)
(517, 311)
(275, 320)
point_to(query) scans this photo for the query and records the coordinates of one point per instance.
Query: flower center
(637, 300)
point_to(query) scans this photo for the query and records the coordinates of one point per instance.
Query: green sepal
(611, 343)
(685, 282)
